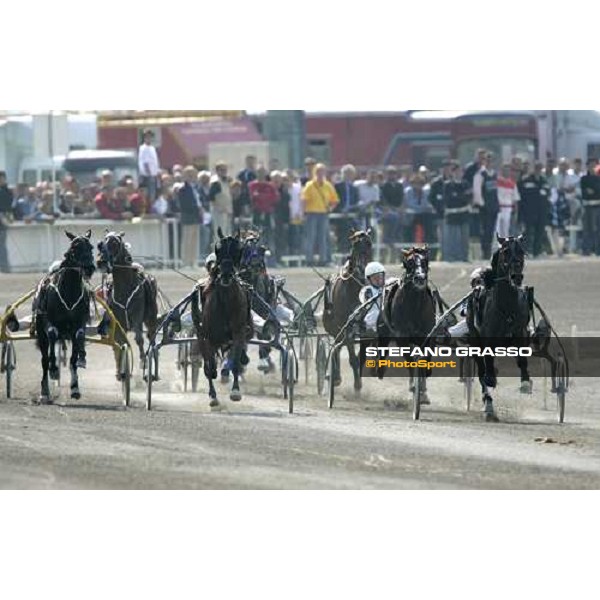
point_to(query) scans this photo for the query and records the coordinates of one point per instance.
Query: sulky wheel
(125, 368)
(562, 386)
(468, 375)
(306, 355)
(321, 364)
(184, 363)
(291, 376)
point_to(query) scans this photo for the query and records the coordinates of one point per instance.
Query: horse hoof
(46, 400)
(425, 401)
(526, 387)
(491, 418)
(75, 395)
(54, 374)
(236, 396)
(214, 403)
(82, 364)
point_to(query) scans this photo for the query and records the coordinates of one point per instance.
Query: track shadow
(92, 407)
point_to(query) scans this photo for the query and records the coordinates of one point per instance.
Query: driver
(375, 274)
(479, 281)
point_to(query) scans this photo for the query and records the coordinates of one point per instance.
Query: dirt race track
(95, 443)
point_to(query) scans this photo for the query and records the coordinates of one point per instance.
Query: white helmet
(476, 275)
(211, 258)
(374, 268)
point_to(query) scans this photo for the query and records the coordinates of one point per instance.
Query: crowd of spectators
(310, 214)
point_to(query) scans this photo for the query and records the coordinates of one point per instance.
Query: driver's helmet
(374, 268)
(477, 277)
(211, 259)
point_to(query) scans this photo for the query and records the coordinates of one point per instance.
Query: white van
(84, 165)
(33, 170)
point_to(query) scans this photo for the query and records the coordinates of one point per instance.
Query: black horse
(61, 309)
(501, 313)
(131, 294)
(342, 299)
(224, 323)
(409, 306)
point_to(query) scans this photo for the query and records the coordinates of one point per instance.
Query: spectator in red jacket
(264, 197)
(113, 207)
(137, 199)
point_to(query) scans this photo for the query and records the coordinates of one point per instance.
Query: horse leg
(236, 355)
(226, 368)
(526, 385)
(485, 381)
(75, 393)
(45, 391)
(355, 364)
(52, 337)
(80, 346)
(139, 340)
(337, 370)
(210, 372)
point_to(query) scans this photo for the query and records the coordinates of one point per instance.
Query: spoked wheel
(183, 360)
(469, 378)
(333, 369)
(321, 364)
(562, 387)
(306, 355)
(291, 377)
(418, 382)
(195, 375)
(10, 364)
(126, 375)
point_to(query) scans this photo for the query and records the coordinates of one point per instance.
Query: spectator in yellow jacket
(320, 198)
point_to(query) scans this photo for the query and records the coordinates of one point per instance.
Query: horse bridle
(80, 269)
(108, 257)
(421, 261)
(505, 266)
(357, 258)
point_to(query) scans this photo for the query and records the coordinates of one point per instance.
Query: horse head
(112, 250)
(362, 248)
(229, 256)
(80, 254)
(416, 265)
(509, 260)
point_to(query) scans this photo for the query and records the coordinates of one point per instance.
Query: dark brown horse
(502, 313)
(224, 324)
(409, 307)
(61, 311)
(131, 294)
(342, 299)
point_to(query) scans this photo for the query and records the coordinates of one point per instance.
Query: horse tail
(151, 304)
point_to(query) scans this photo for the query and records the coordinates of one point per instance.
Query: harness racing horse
(131, 293)
(224, 323)
(61, 309)
(501, 312)
(342, 299)
(409, 307)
